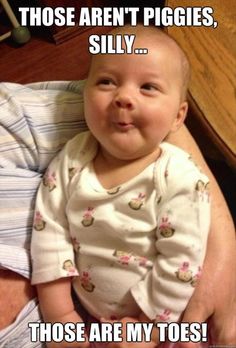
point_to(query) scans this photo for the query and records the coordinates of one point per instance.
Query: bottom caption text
(107, 332)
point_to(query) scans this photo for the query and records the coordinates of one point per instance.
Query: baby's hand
(57, 306)
(71, 317)
(124, 343)
(68, 345)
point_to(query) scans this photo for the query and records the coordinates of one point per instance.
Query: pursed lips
(122, 120)
(123, 126)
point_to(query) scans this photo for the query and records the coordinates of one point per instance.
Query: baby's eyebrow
(104, 67)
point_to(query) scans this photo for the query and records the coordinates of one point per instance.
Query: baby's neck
(112, 172)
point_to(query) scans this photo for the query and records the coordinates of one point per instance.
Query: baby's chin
(129, 154)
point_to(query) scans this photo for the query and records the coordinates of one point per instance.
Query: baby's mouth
(124, 126)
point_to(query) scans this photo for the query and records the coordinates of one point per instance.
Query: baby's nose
(124, 100)
(124, 104)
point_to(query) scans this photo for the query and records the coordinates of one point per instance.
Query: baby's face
(133, 101)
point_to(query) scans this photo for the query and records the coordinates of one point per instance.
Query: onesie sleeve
(183, 219)
(51, 246)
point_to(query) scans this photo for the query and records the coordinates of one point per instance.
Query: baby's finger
(103, 320)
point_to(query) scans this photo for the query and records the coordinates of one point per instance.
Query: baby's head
(155, 39)
(133, 101)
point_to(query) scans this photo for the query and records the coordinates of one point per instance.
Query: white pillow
(36, 120)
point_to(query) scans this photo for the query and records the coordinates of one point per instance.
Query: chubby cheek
(95, 105)
(90, 106)
(154, 118)
(95, 115)
(158, 126)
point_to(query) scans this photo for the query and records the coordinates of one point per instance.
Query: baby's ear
(180, 118)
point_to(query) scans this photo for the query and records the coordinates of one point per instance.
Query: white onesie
(139, 246)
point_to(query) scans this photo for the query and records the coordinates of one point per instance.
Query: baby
(126, 218)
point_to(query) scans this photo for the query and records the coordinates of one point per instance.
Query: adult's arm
(16, 292)
(215, 296)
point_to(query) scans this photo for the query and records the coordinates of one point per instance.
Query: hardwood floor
(42, 60)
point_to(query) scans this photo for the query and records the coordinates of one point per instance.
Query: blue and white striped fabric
(35, 122)
(18, 333)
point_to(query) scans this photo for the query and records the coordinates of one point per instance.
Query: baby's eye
(105, 82)
(149, 87)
